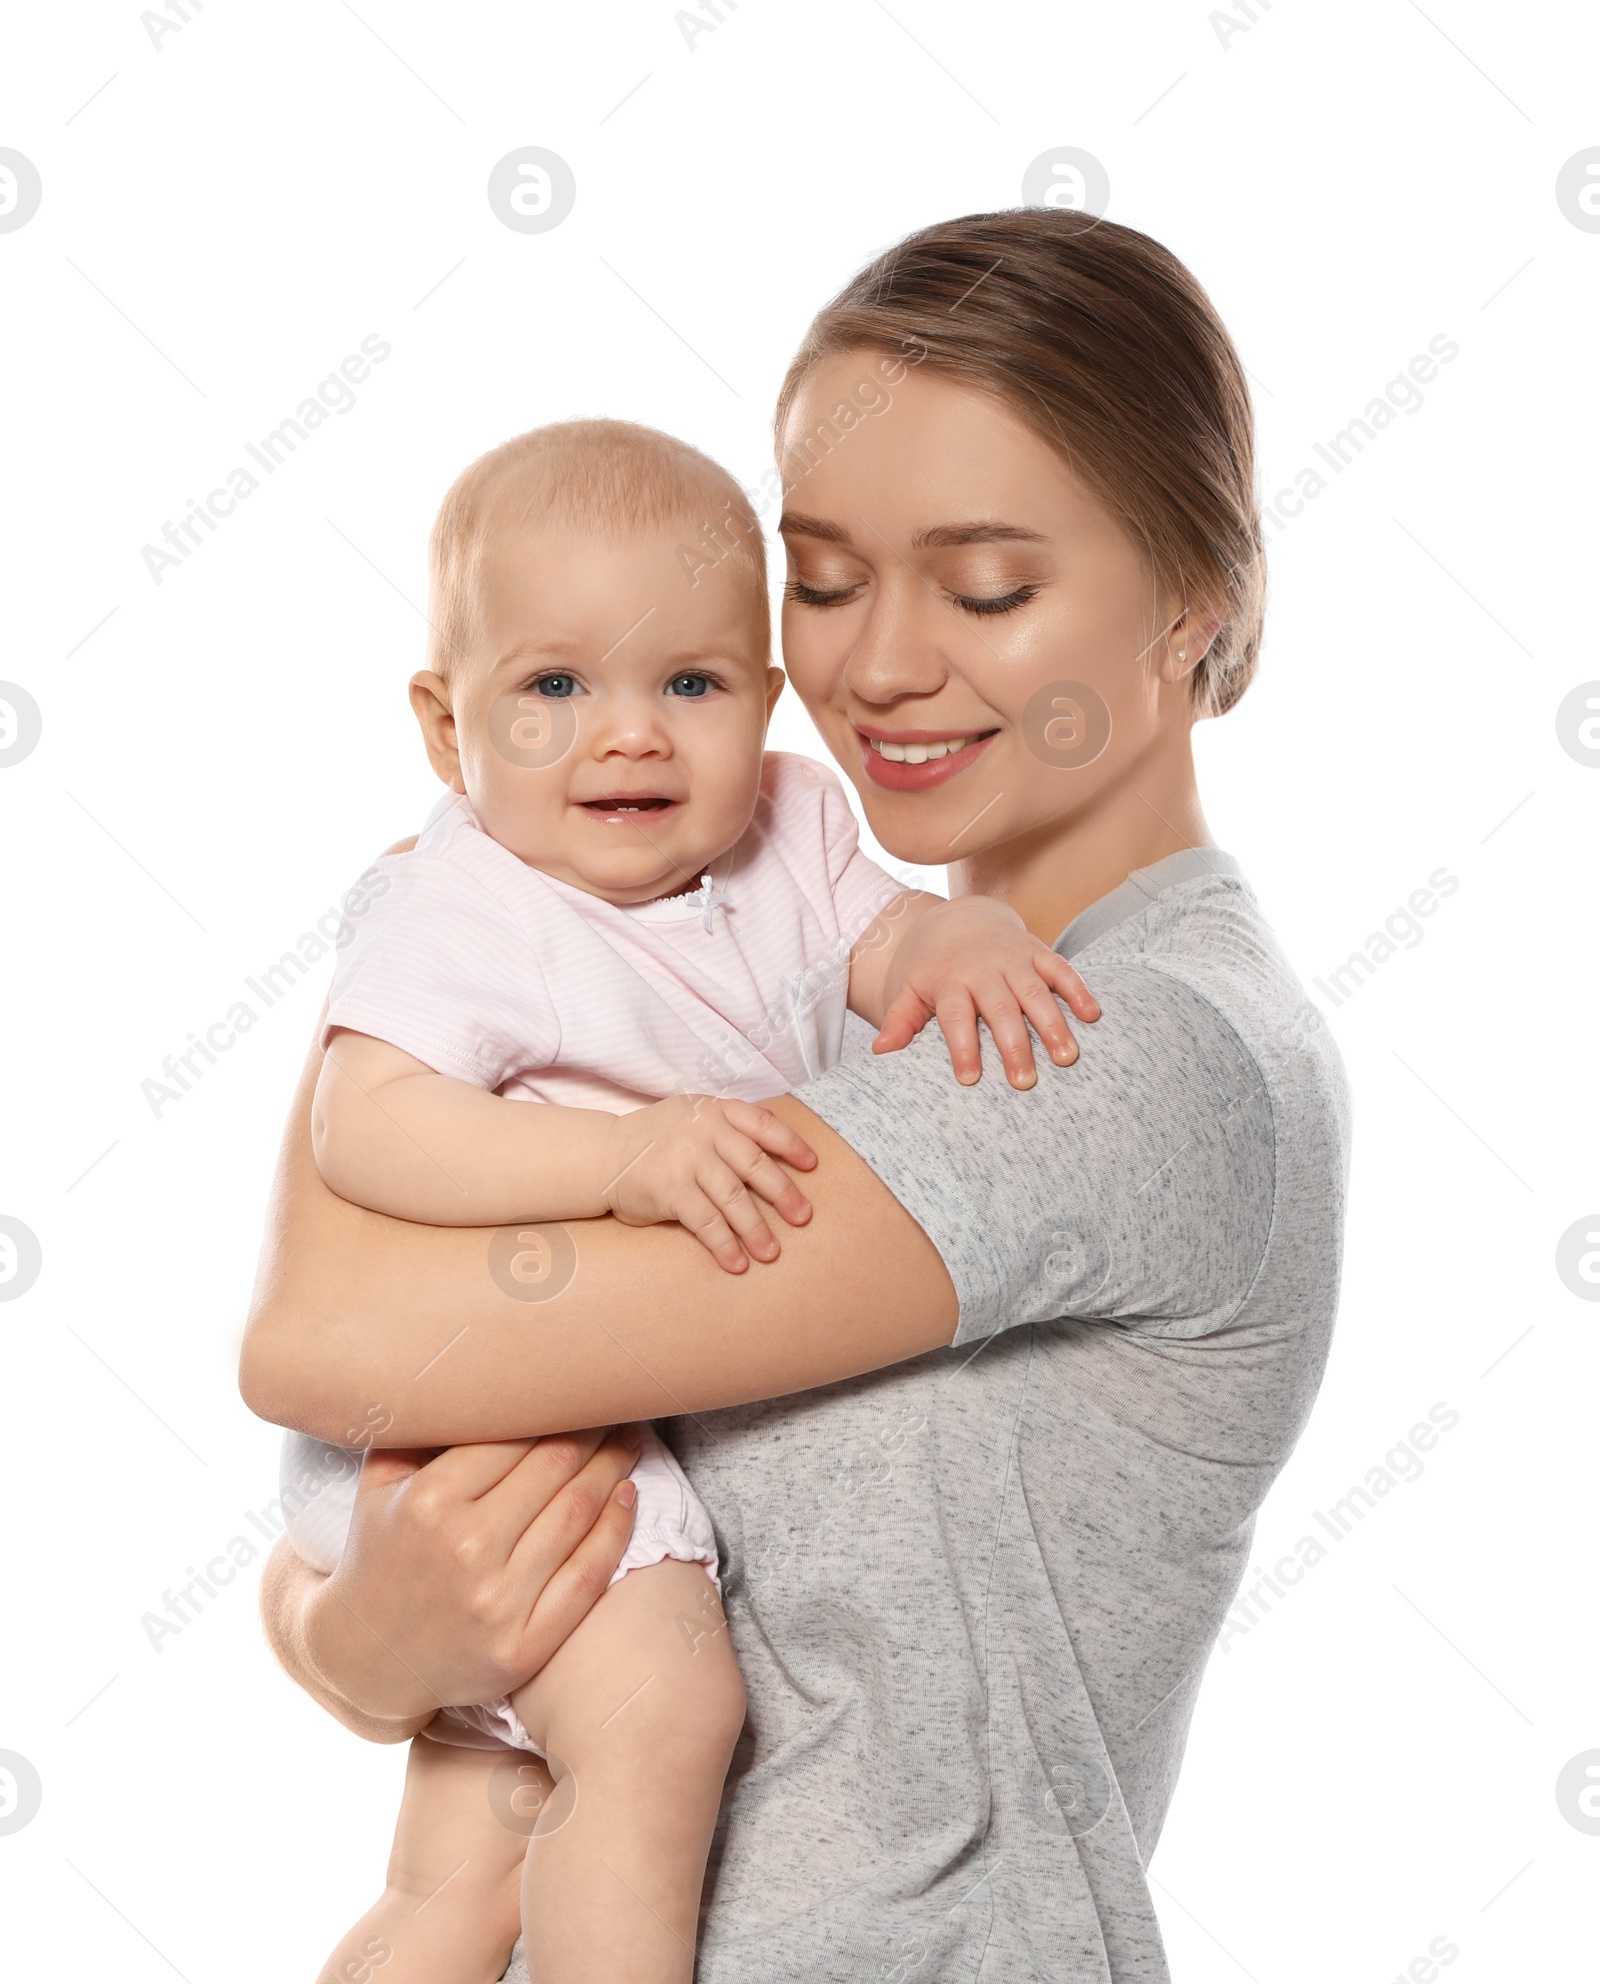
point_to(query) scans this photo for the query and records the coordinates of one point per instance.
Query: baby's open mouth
(628, 802)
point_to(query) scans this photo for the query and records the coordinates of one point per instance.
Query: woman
(986, 1443)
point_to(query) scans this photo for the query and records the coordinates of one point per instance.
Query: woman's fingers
(534, 1473)
(563, 1601)
(553, 1527)
(469, 1471)
(483, 1563)
(386, 1465)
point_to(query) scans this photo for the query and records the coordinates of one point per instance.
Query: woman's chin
(908, 831)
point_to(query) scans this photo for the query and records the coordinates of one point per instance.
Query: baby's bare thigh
(651, 1664)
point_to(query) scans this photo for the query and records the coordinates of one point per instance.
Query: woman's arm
(512, 1543)
(353, 1310)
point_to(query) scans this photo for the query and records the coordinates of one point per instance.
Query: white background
(1373, 1765)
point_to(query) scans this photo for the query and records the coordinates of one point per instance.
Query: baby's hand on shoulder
(974, 959)
(708, 1165)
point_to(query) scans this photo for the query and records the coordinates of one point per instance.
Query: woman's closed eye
(1008, 602)
(804, 595)
(1005, 602)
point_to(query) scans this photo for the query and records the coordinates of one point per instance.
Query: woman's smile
(914, 760)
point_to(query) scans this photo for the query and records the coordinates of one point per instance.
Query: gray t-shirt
(973, 1595)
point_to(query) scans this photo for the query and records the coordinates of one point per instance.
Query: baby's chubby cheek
(518, 731)
(522, 810)
(722, 802)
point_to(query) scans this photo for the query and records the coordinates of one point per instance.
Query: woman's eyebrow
(938, 537)
(942, 536)
(794, 523)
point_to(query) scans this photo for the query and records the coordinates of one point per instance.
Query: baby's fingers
(721, 1183)
(1000, 1011)
(959, 1025)
(698, 1215)
(772, 1133)
(1038, 1002)
(905, 1019)
(1060, 976)
(767, 1180)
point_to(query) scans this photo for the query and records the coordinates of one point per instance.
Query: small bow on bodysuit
(711, 899)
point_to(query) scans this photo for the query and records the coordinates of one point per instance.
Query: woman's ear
(430, 698)
(1184, 645)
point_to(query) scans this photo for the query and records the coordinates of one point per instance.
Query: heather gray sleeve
(1134, 1188)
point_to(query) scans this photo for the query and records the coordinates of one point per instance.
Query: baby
(627, 912)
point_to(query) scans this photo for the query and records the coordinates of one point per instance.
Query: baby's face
(608, 724)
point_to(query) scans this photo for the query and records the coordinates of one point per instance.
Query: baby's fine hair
(612, 477)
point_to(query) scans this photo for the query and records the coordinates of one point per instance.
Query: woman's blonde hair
(1101, 340)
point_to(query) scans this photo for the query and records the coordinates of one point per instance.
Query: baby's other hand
(974, 959)
(708, 1164)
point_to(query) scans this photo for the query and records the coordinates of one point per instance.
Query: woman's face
(978, 638)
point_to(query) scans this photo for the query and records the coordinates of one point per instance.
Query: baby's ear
(430, 699)
(775, 681)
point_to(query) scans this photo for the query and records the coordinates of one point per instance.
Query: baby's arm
(390, 1133)
(958, 962)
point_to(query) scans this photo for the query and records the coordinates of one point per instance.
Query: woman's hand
(973, 958)
(462, 1575)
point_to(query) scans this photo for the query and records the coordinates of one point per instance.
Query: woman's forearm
(430, 1324)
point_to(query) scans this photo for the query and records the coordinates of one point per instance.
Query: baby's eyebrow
(533, 650)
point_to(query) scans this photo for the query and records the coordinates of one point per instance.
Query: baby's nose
(636, 734)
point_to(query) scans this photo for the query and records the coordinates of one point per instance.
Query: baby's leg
(638, 1712)
(449, 1914)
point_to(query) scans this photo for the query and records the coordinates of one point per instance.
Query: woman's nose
(901, 649)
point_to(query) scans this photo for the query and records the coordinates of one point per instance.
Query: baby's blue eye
(556, 686)
(689, 685)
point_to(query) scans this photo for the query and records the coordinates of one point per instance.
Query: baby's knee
(683, 1722)
(698, 1708)
(711, 1694)
(650, 1674)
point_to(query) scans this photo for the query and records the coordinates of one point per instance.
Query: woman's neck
(1051, 875)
